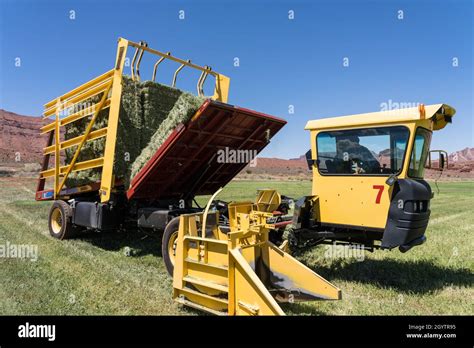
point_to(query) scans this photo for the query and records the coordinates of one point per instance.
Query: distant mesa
(463, 155)
(20, 134)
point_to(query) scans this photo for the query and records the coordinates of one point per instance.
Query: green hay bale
(184, 108)
(148, 114)
(127, 148)
(89, 150)
(157, 102)
(130, 126)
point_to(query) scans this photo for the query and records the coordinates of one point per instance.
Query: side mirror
(440, 162)
(392, 179)
(309, 160)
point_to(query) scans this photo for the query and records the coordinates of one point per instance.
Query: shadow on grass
(408, 276)
(302, 308)
(140, 244)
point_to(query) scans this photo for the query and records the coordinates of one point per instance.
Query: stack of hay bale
(149, 112)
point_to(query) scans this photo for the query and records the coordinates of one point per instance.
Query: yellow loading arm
(235, 270)
(108, 87)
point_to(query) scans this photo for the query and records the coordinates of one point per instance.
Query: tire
(276, 236)
(168, 244)
(60, 221)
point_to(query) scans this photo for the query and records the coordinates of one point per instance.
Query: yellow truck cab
(368, 178)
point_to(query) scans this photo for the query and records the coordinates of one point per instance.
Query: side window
(419, 154)
(400, 146)
(369, 151)
(326, 151)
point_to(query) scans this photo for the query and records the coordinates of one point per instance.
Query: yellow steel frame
(75, 98)
(109, 85)
(222, 82)
(240, 272)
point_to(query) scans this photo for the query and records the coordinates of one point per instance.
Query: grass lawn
(96, 274)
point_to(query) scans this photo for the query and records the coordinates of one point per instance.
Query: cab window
(369, 151)
(419, 153)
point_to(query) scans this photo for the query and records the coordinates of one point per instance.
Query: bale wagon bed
(178, 165)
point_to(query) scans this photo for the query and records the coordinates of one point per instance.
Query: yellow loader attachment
(235, 270)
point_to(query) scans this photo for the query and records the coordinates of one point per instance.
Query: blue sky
(283, 62)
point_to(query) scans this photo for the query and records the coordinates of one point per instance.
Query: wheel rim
(56, 220)
(172, 242)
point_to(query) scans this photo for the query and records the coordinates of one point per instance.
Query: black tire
(60, 221)
(276, 236)
(170, 233)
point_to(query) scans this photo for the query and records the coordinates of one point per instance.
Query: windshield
(419, 153)
(368, 151)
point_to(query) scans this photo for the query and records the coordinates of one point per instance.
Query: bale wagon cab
(368, 179)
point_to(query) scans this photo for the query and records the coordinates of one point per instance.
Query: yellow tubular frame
(106, 182)
(109, 85)
(227, 273)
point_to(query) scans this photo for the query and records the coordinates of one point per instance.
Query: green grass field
(94, 275)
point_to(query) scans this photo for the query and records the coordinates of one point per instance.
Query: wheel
(60, 221)
(168, 245)
(168, 250)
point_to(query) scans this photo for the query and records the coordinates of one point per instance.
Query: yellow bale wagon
(368, 190)
(162, 193)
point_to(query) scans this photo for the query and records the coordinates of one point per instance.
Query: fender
(408, 214)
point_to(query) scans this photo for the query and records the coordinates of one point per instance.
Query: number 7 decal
(379, 194)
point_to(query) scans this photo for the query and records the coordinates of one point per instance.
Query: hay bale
(127, 147)
(130, 127)
(89, 149)
(148, 114)
(157, 102)
(184, 108)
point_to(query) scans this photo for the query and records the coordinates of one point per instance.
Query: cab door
(351, 170)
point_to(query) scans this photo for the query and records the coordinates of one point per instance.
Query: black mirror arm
(391, 180)
(442, 161)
